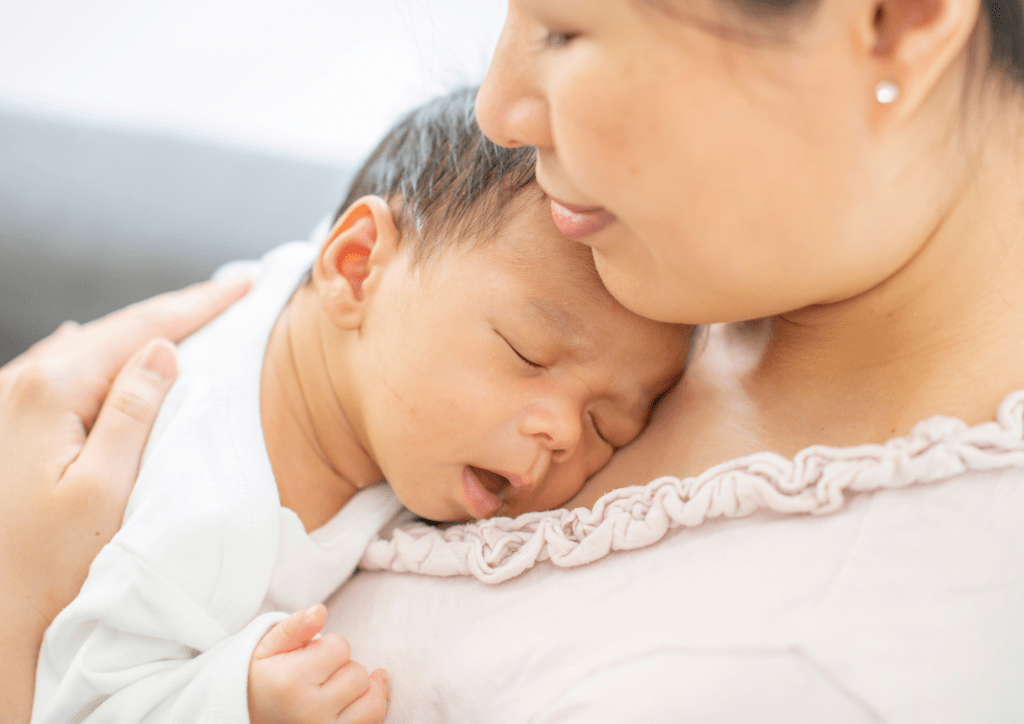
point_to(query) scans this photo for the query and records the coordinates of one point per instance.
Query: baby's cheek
(597, 458)
(574, 473)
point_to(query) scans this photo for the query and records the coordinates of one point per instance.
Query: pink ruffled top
(816, 481)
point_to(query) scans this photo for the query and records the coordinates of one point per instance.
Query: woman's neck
(315, 454)
(942, 336)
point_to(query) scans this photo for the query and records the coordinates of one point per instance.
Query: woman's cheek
(601, 130)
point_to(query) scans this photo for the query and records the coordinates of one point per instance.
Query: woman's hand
(75, 413)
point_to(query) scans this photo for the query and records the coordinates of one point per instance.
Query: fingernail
(310, 614)
(161, 359)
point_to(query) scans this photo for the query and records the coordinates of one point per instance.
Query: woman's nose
(510, 108)
(557, 425)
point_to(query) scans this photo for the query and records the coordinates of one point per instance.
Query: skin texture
(482, 359)
(752, 174)
(295, 679)
(75, 412)
(726, 163)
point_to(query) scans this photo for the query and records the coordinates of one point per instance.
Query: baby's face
(500, 377)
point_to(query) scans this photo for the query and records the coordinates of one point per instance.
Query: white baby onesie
(207, 559)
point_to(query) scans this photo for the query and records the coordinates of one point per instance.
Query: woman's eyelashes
(558, 38)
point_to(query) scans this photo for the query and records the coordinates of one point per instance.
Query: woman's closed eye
(559, 38)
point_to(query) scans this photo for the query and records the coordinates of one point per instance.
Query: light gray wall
(92, 218)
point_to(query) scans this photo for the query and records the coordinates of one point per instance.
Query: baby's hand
(297, 679)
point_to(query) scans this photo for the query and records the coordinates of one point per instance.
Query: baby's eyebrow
(564, 324)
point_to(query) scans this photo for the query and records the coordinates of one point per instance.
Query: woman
(850, 170)
(847, 171)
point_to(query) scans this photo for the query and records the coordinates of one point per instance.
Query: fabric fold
(817, 481)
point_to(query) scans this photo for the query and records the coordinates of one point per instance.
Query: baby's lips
(519, 483)
(481, 502)
(576, 222)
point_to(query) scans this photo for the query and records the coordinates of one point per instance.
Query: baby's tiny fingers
(346, 685)
(372, 706)
(323, 657)
(381, 677)
(292, 633)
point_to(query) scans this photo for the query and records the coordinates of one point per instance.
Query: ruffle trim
(816, 481)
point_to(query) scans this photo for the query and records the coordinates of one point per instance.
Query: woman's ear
(351, 262)
(912, 43)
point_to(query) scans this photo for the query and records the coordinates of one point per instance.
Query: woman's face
(746, 176)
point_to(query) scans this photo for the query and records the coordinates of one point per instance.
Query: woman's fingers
(64, 486)
(115, 337)
(81, 506)
(174, 315)
(107, 342)
(83, 359)
(108, 463)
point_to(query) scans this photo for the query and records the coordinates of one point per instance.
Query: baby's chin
(454, 512)
(442, 513)
(441, 518)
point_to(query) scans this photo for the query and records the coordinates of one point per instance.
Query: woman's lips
(481, 502)
(579, 222)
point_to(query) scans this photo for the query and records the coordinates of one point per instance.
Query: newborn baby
(443, 337)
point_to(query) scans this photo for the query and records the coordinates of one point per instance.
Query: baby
(443, 337)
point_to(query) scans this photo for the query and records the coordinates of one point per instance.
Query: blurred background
(143, 143)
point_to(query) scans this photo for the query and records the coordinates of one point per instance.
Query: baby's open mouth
(492, 481)
(484, 491)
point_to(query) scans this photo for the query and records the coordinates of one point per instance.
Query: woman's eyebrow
(674, 10)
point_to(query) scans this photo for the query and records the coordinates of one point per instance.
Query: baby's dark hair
(443, 178)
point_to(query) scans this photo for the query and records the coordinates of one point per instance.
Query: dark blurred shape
(93, 218)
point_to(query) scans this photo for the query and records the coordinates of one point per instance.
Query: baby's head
(473, 348)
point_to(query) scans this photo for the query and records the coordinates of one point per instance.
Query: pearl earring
(887, 92)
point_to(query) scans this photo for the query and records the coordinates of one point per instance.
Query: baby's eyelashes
(516, 349)
(597, 428)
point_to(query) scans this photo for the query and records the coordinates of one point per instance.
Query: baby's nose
(558, 427)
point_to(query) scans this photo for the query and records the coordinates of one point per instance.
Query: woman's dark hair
(444, 178)
(1005, 20)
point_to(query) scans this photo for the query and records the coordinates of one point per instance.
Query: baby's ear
(352, 260)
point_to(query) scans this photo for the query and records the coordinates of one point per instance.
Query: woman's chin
(659, 296)
(633, 287)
